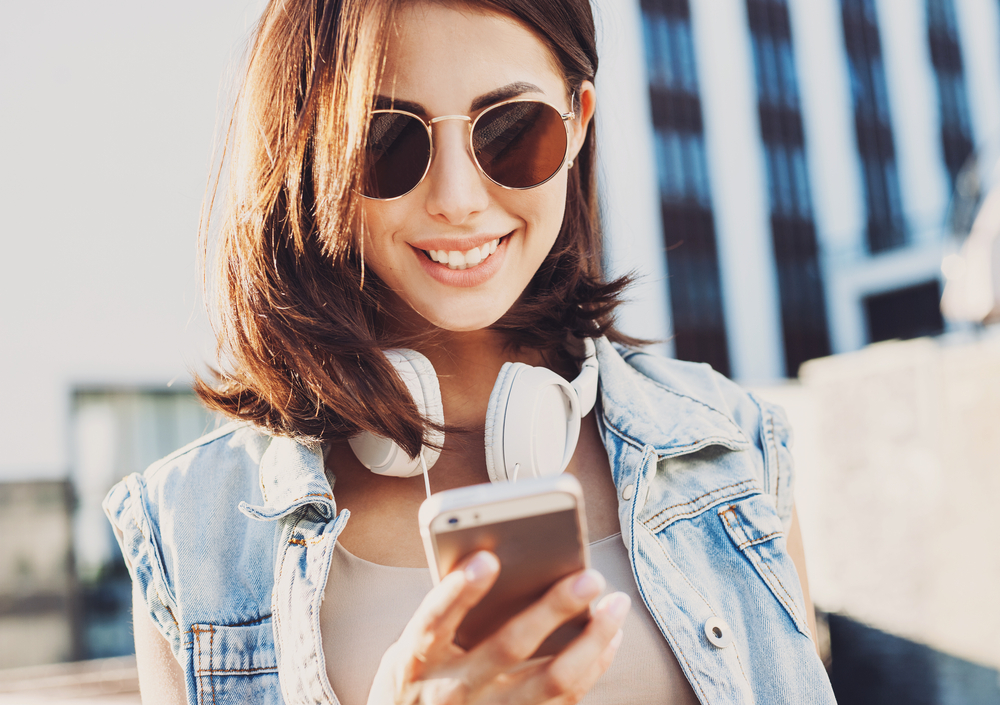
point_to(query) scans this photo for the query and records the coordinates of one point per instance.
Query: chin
(467, 321)
(463, 324)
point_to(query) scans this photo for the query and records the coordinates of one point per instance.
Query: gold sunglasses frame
(428, 124)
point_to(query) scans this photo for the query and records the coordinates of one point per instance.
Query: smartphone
(536, 528)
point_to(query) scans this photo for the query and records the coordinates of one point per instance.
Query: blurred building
(101, 319)
(64, 591)
(117, 431)
(37, 585)
(804, 155)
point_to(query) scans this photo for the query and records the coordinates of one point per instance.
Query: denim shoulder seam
(221, 432)
(775, 439)
(125, 507)
(673, 392)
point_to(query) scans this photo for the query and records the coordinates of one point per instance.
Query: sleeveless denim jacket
(230, 540)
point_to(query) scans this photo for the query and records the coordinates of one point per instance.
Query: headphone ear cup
(496, 411)
(533, 423)
(382, 455)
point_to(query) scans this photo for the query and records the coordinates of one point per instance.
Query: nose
(457, 188)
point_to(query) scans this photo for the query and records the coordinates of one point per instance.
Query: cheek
(375, 222)
(553, 213)
(547, 209)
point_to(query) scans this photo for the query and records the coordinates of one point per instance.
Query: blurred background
(809, 189)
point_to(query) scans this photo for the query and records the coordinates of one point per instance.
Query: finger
(575, 670)
(586, 683)
(445, 606)
(520, 637)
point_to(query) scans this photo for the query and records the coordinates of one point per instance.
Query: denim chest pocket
(756, 531)
(235, 664)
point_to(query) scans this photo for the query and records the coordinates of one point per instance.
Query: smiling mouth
(453, 259)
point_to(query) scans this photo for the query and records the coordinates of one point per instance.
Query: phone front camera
(453, 520)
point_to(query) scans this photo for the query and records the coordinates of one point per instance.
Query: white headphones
(532, 421)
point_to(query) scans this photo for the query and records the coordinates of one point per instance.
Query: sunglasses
(517, 144)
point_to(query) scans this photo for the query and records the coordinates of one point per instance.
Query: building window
(793, 232)
(906, 313)
(683, 170)
(699, 332)
(873, 125)
(774, 66)
(670, 51)
(946, 57)
(788, 182)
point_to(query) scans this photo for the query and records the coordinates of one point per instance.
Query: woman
(420, 175)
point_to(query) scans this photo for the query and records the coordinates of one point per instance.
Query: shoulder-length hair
(300, 324)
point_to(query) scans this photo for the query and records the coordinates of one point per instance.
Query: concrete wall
(898, 470)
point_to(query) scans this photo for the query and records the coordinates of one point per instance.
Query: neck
(468, 365)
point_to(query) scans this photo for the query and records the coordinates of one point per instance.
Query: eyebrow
(511, 90)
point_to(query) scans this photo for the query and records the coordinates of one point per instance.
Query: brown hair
(300, 325)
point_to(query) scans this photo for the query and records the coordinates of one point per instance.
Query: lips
(459, 260)
(462, 274)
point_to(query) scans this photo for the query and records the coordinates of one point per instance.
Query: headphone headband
(586, 382)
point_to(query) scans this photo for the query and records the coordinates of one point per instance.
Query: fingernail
(481, 565)
(616, 604)
(616, 640)
(588, 584)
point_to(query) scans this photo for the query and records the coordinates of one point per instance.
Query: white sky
(108, 110)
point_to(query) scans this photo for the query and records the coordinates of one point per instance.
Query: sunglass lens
(520, 144)
(396, 155)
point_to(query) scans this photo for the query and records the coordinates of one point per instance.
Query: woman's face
(450, 61)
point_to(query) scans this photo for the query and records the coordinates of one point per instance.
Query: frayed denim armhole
(776, 441)
(125, 508)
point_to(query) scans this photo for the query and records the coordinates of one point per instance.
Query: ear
(586, 100)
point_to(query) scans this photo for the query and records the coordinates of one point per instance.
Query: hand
(425, 666)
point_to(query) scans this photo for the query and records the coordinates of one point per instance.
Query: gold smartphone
(537, 530)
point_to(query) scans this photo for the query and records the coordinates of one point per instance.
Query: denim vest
(230, 541)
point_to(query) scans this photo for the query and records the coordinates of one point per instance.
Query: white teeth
(463, 260)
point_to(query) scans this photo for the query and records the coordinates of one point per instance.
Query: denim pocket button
(718, 632)
(628, 492)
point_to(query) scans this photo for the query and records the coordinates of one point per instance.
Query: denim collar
(663, 413)
(292, 475)
(640, 410)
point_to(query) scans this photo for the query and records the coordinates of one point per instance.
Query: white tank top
(366, 606)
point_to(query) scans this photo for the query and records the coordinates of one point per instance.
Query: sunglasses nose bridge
(435, 121)
(455, 190)
(468, 137)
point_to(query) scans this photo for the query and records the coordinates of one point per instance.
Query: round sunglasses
(517, 144)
